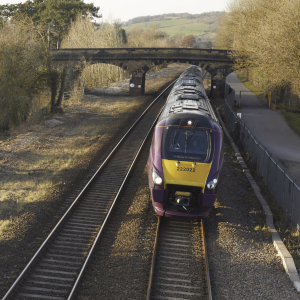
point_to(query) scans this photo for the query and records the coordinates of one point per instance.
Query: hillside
(202, 26)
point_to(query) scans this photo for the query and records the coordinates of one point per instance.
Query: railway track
(57, 267)
(179, 269)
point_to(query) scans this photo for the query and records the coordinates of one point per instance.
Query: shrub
(22, 73)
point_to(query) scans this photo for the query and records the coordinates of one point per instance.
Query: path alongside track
(269, 127)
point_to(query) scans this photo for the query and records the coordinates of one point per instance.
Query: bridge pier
(137, 83)
(217, 85)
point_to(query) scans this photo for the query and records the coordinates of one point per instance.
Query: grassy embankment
(291, 117)
(41, 160)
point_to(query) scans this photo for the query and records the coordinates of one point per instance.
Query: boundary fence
(277, 178)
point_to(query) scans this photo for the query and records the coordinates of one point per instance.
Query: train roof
(188, 96)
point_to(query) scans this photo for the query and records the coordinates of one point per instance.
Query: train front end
(183, 167)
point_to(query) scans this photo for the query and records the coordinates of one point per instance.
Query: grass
(249, 85)
(292, 118)
(180, 26)
(37, 167)
(162, 24)
(4, 226)
(264, 230)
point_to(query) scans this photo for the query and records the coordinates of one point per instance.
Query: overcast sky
(125, 10)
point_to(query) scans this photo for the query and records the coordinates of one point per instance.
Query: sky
(125, 10)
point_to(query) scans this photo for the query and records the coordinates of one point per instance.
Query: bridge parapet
(106, 54)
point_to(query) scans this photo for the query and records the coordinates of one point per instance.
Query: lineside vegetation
(265, 37)
(23, 61)
(29, 84)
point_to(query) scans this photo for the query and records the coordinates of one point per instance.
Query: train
(186, 154)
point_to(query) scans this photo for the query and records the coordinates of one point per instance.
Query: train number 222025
(185, 169)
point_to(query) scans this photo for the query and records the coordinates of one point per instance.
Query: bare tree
(85, 34)
(265, 37)
(23, 71)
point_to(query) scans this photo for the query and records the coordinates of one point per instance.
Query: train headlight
(212, 184)
(156, 178)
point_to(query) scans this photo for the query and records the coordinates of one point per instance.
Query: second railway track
(55, 270)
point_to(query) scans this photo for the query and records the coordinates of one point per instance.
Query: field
(175, 27)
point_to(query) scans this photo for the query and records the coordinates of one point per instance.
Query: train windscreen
(188, 144)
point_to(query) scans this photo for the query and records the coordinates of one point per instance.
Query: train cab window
(186, 144)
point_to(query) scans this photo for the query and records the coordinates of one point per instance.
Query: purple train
(186, 154)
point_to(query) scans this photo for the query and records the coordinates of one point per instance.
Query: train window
(186, 144)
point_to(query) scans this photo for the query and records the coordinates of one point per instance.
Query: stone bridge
(137, 61)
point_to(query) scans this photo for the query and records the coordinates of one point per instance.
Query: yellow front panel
(185, 173)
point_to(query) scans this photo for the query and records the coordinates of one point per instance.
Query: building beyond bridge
(137, 61)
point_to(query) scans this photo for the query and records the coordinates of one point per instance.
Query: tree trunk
(53, 86)
(62, 86)
(58, 41)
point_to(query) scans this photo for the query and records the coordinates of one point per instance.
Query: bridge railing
(277, 178)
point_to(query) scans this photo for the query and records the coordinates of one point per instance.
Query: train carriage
(186, 154)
